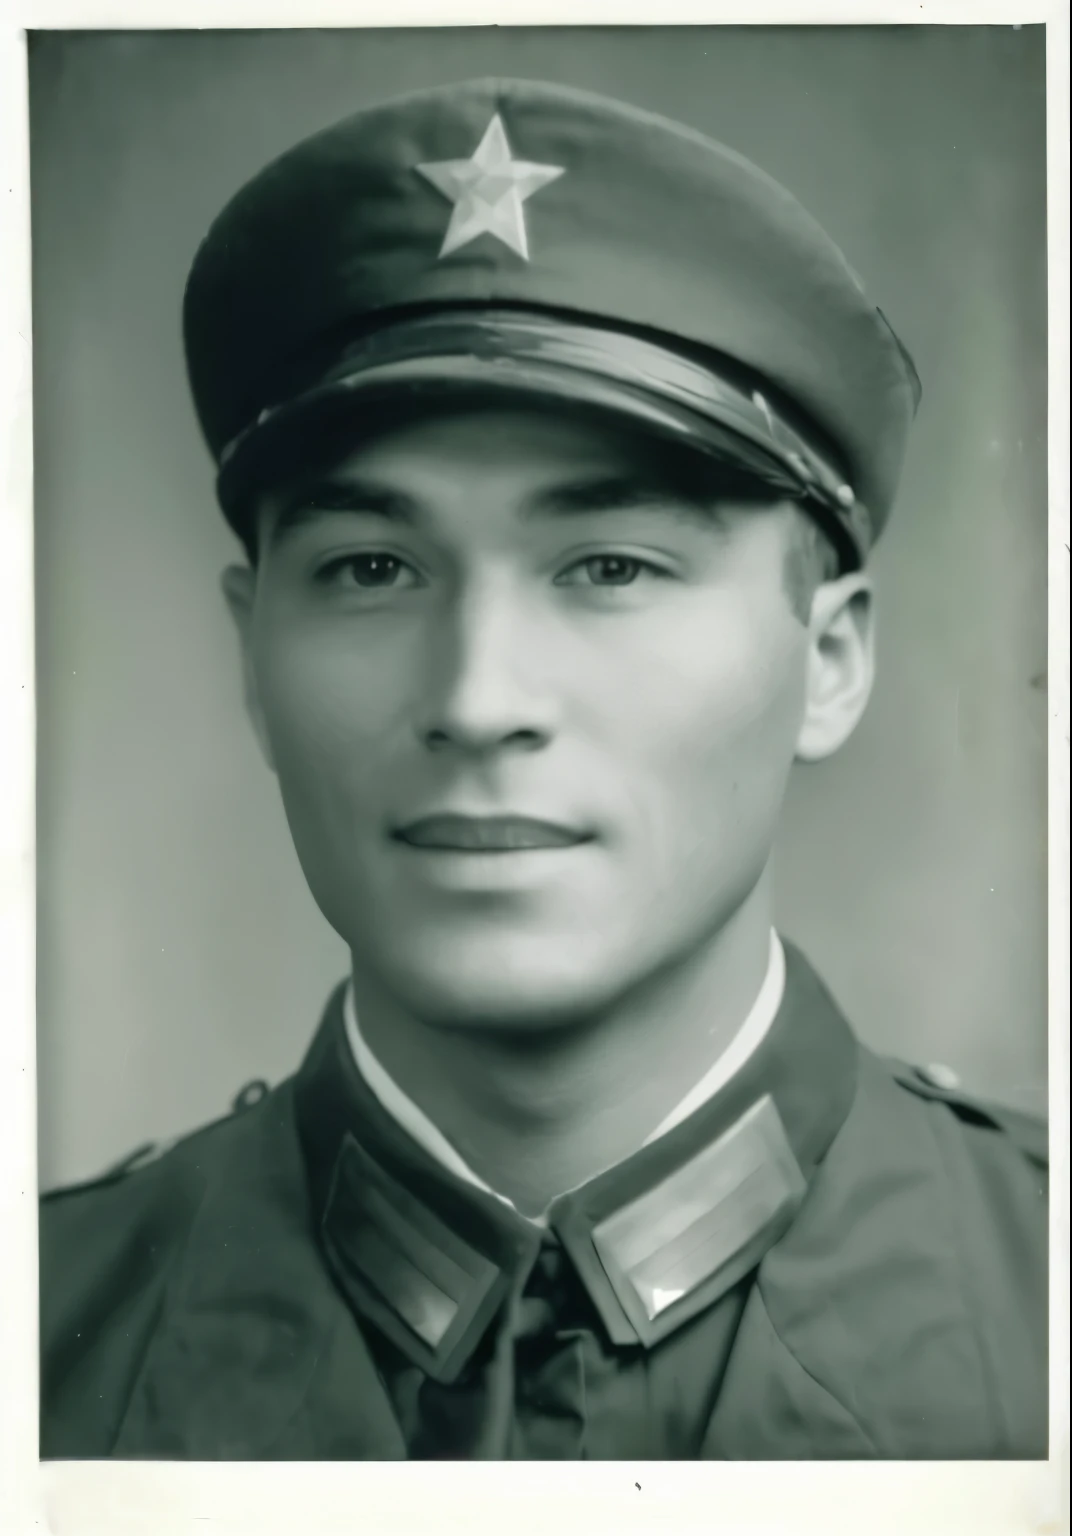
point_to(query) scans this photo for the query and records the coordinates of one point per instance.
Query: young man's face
(531, 707)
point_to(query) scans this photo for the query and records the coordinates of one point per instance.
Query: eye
(372, 570)
(606, 571)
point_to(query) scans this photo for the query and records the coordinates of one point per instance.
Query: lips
(487, 834)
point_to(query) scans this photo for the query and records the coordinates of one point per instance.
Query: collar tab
(431, 1292)
(679, 1247)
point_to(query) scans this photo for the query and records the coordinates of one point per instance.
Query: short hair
(810, 560)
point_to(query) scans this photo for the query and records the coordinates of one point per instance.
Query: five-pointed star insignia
(488, 192)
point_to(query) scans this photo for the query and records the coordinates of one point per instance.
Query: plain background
(179, 951)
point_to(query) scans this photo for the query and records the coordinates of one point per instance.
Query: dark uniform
(836, 1256)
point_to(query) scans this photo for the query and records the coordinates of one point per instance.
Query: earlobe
(239, 586)
(841, 665)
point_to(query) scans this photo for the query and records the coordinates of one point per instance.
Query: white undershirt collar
(416, 1123)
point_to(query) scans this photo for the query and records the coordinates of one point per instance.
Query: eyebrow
(586, 496)
(627, 493)
(357, 498)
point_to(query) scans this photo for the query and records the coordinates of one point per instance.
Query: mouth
(487, 834)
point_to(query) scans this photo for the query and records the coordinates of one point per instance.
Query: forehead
(435, 452)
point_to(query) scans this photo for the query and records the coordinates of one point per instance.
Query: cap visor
(475, 359)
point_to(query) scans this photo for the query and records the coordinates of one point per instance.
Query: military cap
(507, 236)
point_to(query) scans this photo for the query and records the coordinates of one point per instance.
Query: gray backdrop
(180, 953)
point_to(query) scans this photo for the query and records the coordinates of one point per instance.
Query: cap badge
(488, 192)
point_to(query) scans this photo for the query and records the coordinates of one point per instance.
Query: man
(556, 437)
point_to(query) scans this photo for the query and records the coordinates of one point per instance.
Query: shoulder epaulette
(152, 1151)
(1030, 1133)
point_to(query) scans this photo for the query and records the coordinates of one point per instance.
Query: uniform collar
(428, 1257)
(412, 1118)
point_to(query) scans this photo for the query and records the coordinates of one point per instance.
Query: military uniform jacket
(830, 1259)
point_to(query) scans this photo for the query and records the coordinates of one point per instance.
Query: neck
(539, 1114)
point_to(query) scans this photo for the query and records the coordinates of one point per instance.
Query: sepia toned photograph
(541, 637)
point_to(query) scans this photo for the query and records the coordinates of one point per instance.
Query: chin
(519, 986)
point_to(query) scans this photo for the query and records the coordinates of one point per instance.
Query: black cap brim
(430, 362)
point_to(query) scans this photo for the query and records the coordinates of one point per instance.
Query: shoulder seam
(148, 1155)
(1001, 1118)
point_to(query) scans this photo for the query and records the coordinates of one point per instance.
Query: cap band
(703, 402)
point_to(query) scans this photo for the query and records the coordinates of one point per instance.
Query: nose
(486, 689)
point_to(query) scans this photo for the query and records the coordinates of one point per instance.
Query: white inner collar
(416, 1123)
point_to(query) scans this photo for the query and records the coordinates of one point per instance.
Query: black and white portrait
(541, 629)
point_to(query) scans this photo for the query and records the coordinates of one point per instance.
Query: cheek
(333, 704)
(710, 698)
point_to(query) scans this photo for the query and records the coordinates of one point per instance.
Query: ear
(841, 665)
(239, 585)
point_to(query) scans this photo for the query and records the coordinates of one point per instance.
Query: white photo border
(113, 1498)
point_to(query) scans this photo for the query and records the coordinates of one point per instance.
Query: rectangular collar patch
(674, 1250)
(431, 1292)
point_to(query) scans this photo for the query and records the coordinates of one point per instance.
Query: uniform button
(939, 1076)
(249, 1096)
